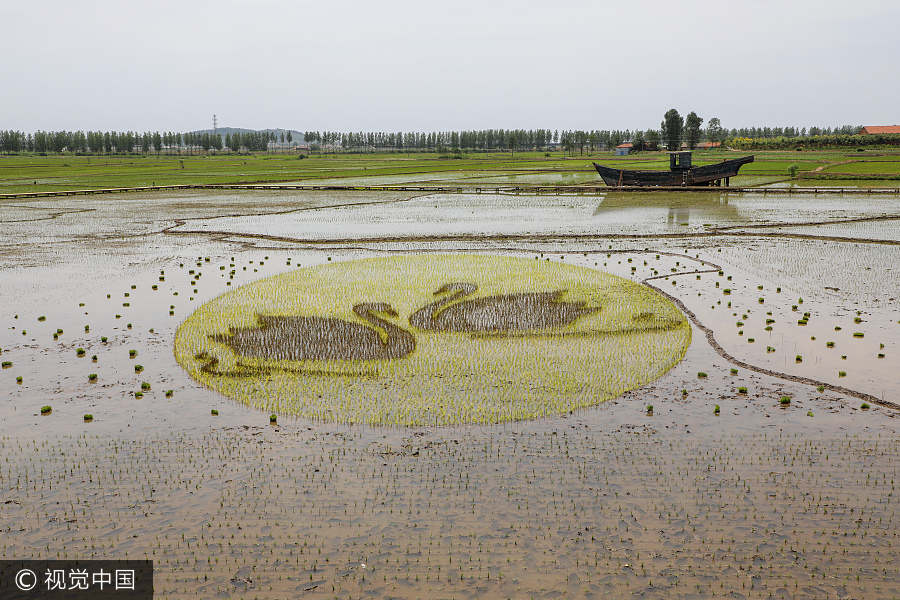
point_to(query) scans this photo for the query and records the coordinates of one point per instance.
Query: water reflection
(674, 209)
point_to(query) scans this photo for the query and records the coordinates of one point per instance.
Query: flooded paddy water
(758, 499)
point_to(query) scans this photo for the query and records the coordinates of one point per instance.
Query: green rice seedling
(751, 340)
(145, 386)
(684, 393)
(92, 377)
(446, 384)
(829, 344)
(837, 327)
(770, 349)
(169, 393)
(820, 388)
(19, 380)
(6, 364)
(785, 400)
(734, 371)
(649, 409)
(716, 409)
(80, 352)
(46, 409)
(138, 395)
(798, 358)
(132, 353)
(858, 334)
(881, 355)
(864, 406)
(104, 339)
(87, 328)
(138, 368)
(742, 390)
(42, 318)
(214, 412)
(701, 375)
(273, 418)
(88, 418)
(809, 413)
(842, 373)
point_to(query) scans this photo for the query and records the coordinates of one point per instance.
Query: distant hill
(296, 135)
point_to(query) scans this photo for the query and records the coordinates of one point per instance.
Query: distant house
(624, 149)
(708, 145)
(879, 129)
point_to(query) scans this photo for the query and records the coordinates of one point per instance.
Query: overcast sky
(450, 64)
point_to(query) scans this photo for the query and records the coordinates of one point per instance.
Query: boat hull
(695, 176)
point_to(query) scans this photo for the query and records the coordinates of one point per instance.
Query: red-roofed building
(879, 129)
(708, 145)
(624, 149)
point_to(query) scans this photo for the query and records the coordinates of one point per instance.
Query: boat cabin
(679, 161)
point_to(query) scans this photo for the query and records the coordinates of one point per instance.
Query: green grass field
(32, 173)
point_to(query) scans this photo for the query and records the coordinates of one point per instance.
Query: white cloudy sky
(448, 64)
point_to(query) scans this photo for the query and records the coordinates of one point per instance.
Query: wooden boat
(680, 173)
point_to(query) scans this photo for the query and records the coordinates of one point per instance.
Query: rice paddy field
(749, 448)
(29, 173)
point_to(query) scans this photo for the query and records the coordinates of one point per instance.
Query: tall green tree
(692, 129)
(637, 141)
(714, 131)
(673, 124)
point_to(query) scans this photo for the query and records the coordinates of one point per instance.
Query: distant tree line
(813, 141)
(674, 131)
(471, 140)
(132, 142)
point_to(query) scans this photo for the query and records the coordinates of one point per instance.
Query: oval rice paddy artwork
(432, 340)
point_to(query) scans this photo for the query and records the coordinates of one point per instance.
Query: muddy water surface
(760, 500)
